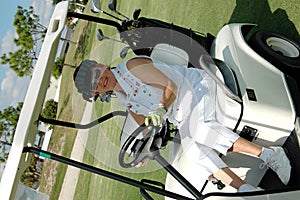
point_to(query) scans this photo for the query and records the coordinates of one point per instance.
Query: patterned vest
(137, 96)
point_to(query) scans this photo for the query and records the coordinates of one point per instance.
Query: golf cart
(246, 71)
(247, 65)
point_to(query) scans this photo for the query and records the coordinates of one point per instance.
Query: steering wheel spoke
(134, 151)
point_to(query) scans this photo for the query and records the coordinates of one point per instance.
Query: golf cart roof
(27, 125)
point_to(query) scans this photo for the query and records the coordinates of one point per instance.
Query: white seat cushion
(170, 54)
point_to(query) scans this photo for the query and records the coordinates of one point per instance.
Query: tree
(30, 32)
(31, 175)
(28, 28)
(20, 61)
(50, 110)
(8, 122)
(58, 67)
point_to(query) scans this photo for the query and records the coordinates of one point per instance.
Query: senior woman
(151, 90)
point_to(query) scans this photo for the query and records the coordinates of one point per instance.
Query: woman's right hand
(156, 116)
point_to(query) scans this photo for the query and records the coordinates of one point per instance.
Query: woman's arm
(144, 69)
(140, 119)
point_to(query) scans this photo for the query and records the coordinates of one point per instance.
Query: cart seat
(170, 55)
(228, 75)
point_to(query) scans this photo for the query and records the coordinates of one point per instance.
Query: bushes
(50, 110)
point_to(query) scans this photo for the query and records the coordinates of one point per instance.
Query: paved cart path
(72, 174)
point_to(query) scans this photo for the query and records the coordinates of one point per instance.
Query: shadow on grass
(64, 105)
(259, 12)
(82, 47)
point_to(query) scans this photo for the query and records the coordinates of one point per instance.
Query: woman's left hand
(155, 116)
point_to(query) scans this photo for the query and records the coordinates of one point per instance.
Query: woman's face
(101, 79)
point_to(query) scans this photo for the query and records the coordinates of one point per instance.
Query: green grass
(209, 16)
(206, 16)
(62, 139)
(104, 155)
(201, 15)
(85, 45)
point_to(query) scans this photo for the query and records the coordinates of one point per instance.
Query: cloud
(7, 44)
(13, 89)
(44, 10)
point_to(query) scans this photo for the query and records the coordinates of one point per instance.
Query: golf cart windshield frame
(30, 115)
(140, 184)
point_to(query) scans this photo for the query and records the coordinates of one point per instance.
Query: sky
(12, 88)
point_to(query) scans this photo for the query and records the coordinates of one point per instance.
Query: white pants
(201, 132)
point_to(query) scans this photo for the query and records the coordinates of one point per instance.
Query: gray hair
(81, 79)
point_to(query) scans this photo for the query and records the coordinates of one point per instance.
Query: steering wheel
(140, 149)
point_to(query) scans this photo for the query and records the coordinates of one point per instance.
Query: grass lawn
(63, 138)
(203, 16)
(102, 151)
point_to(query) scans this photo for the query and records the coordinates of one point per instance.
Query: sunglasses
(95, 77)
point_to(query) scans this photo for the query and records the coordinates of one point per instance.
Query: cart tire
(278, 49)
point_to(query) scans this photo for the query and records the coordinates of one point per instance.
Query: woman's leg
(229, 177)
(243, 145)
(212, 165)
(274, 157)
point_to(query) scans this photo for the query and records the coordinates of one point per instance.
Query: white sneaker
(249, 188)
(277, 160)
